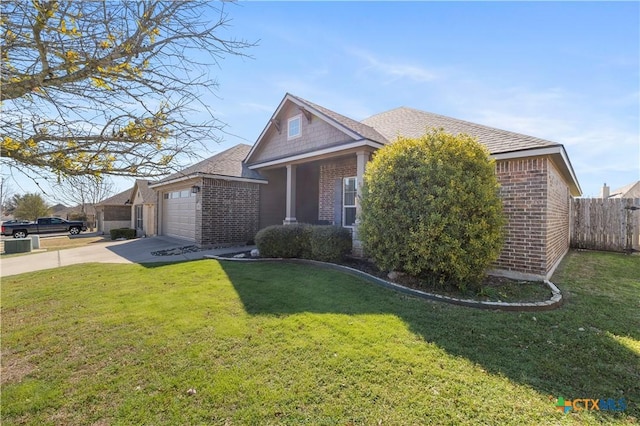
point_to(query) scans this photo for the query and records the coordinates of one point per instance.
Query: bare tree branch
(116, 88)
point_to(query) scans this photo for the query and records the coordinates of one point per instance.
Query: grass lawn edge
(555, 301)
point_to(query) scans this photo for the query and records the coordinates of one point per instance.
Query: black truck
(42, 226)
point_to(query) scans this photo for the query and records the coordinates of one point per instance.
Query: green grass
(273, 343)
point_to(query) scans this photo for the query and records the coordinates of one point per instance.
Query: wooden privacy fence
(605, 224)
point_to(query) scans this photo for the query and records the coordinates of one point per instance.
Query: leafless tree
(109, 87)
(83, 191)
(6, 194)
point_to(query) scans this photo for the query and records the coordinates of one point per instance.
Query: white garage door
(179, 214)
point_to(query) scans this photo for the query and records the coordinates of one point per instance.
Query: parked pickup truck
(43, 225)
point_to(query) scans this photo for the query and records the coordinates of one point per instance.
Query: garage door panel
(179, 215)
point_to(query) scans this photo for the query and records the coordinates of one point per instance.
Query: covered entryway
(179, 214)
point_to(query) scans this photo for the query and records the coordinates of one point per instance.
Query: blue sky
(567, 72)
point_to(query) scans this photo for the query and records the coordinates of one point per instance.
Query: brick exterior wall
(558, 211)
(329, 172)
(227, 212)
(524, 193)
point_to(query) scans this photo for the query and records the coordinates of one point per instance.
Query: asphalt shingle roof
(226, 163)
(414, 123)
(628, 191)
(148, 195)
(365, 131)
(116, 200)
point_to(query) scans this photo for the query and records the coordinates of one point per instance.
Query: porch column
(362, 157)
(290, 214)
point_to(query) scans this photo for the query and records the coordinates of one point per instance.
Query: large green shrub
(284, 241)
(329, 243)
(431, 207)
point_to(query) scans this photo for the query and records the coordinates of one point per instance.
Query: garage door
(179, 214)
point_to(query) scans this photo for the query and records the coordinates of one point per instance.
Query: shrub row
(127, 233)
(317, 242)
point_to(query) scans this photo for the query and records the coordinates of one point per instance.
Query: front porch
(317, 191)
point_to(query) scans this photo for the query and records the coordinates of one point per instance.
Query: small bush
(329, 243)
(324, 243)
(127, 233)
(284, 241)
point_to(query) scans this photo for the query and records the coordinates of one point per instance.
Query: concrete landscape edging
(553, 302)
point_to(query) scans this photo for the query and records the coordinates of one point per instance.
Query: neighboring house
(213, 202)
(114, 212)
(143, 210)
(86, 213)
(628, 191)
(308, 164)
(57, 208)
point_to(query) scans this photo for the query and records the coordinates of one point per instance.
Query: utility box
(35, 242)
(17, 245)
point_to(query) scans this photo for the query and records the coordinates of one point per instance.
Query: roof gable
(343, 129)
(360, 129)
(147, 195)
(631, 190)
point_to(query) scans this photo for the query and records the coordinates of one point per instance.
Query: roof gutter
(207, 176)
(317, 153)
(557, 150)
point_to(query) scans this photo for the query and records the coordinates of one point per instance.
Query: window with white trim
(349, 194)
(179, 194)
(294, 127)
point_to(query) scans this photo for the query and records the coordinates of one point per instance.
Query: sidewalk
(130, 251)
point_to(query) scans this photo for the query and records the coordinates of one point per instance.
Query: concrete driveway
(130, 251)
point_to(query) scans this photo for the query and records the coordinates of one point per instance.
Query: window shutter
(337, 202)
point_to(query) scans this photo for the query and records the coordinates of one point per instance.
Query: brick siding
(228, 212)
(558, 206)
(329, 172)
(524, 194)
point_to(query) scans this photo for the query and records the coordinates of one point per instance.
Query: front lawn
(272, 343)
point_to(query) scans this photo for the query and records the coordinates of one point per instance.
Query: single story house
(143, 201)
(133, 208)
(114, 212)
(309, 161)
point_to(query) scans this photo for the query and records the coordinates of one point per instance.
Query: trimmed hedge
(284, 241)
(330, 243)
(127, 233)
(324, 243)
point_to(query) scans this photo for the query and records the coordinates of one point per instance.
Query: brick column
(290, 214)
(362, 157)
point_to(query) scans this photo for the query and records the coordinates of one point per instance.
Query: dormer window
(294, 125)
